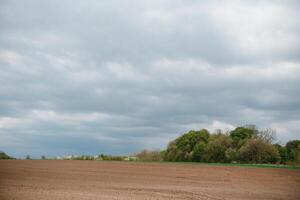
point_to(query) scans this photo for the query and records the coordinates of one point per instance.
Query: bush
(257, 151)
(146, 155)
(171, 152)
(215, 150)
(111, 158)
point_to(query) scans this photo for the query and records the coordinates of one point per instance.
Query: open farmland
(47, 180)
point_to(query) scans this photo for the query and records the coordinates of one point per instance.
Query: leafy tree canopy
(242, 133)
(4, 156)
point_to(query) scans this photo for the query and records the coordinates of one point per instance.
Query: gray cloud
(118, 76)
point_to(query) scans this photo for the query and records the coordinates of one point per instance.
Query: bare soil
(72, 180)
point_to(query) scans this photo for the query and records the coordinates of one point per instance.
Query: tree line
(244, 144)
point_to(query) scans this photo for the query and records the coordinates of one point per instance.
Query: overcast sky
(118, 76)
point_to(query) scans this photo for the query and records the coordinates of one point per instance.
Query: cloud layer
(119, 76)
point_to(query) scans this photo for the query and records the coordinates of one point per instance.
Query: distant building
(58, 158)
(131, 158)
(69, 157)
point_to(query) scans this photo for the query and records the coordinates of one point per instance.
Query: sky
(119, 76)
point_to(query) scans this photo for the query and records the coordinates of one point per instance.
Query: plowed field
(72, 180)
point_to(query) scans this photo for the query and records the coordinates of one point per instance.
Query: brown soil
(66, 180)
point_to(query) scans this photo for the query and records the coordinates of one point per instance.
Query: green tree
(297, 158)
(257, 151)
(215, 150)
(292, 148)
(182, 149)
(232, 155)
(198, 151)
(284, 156)
(188, 140)
(171, 151)
(4, 156)
(241, 134)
